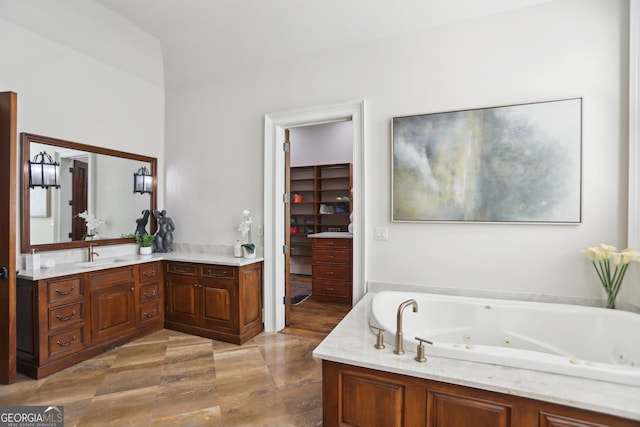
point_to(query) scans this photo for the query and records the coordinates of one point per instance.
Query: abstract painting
(515, 164)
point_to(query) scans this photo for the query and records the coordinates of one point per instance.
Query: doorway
(318, 175)
(274, 213)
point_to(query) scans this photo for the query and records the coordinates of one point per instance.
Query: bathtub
(586, 342)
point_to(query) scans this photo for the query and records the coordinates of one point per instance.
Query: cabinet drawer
(149, 293)
(332, 243)
(112, 276)
(66, 342)
(218, 271)
(65, 315)
(65, 289)
(149, 272)
(330, 288)
(150, 312)
(339, 256)
(186, 269)
(331, 272)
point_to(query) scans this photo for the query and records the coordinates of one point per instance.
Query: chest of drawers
(331, 267)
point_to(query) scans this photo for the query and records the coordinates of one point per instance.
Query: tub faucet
(399, 346)
(91, 252)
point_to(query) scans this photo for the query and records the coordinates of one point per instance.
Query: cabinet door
(456, 410)
(112, 311)
(250, 298)
(181, 301)
(218, 300)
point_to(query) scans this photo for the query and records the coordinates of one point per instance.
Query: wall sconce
(44, 172)
(143, 181)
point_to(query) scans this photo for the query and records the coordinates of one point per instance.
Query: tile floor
(173, 379)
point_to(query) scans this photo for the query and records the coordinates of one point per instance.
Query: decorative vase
(248, 254)
(611, 299)
(146, 250)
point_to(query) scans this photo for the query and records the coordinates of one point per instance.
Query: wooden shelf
(317, 185)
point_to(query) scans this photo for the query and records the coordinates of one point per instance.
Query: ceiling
(201, 39)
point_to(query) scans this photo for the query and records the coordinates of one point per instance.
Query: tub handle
(379, 337)
(420, 357)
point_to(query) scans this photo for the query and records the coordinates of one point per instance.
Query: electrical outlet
(260, 230)
(381, 233)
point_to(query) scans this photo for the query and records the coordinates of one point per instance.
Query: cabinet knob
(132, 289)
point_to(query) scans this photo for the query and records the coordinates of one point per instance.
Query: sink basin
(90, 264)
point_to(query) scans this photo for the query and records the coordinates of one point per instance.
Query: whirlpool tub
(586, 342)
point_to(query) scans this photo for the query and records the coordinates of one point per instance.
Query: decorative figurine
(141, 228)
(164, 235)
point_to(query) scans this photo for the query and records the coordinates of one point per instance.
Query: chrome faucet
(399, 346)
(91, 252)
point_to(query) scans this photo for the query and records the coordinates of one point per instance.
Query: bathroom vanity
(215, 301)
(63, 320)
(73, 312)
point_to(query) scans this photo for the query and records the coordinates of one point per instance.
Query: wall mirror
(93, 179)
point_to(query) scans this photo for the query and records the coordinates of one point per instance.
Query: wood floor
(312, 318)
(174, 379)
(315, 319)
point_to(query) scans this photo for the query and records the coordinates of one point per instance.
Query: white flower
(245, 226)
(91, 221)
(601, 258)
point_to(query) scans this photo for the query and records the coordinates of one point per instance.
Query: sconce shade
(143, 181)
(44, 172)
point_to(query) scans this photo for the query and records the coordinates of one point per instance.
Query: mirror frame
(25, 207)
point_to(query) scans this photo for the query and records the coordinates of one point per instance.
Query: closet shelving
(319, 197)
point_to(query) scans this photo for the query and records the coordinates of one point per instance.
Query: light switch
(381, 233)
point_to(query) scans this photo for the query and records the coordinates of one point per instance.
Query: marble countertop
(351, 342)
(67, 268)
(331, 235)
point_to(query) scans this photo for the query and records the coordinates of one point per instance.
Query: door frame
(8, 186)
(274, 186)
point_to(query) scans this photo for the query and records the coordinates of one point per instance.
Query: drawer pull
(219, 274)
(330, 256)
(65, 319)
(66, 344)
(59, 292)
(145, 274)
(330, 272)
(331, 289)
(177, 270)
(154, 313)
(152, 294)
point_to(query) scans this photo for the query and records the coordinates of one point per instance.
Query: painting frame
(508, 164)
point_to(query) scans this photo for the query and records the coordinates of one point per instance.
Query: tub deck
(351, 342)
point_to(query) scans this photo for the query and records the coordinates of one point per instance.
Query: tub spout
(399, 346)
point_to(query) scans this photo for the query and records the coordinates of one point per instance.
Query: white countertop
(120, 261)
(331, 235)
(351, 342)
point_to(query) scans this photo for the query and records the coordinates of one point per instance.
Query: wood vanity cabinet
(355, 396)
(64, 320)
(214, 301)
(332, 278)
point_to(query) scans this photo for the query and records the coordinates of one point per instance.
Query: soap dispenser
(33, 260)
(237, 249)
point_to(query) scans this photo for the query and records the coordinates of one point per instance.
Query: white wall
(557, 50)
(66, 94)
(323, 144)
